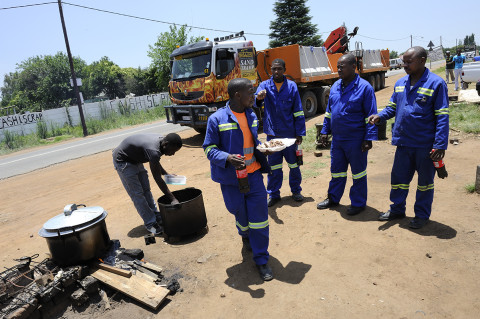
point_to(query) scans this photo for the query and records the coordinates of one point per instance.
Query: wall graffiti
(19, 119)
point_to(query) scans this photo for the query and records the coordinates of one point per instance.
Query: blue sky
(32, 31)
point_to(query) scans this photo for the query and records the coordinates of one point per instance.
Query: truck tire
(371, 80)
(322, 97)
(309, 103)
(382, 80)
(201, 130)
(378, 82)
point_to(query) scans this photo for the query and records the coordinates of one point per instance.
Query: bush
(42, 130)
(470, 188)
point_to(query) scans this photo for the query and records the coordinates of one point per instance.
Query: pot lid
(74, 218)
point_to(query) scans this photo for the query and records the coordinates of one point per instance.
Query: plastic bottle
(299, 154)
(441, 169)
(242, 176)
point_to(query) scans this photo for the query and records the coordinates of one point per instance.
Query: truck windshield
(192, 65)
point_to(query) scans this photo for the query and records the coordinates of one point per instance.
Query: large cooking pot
(186, 218)
(77, 235)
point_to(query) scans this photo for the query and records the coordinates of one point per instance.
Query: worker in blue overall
(230, 144)
(352, 100)
(283, 118)
(419, 104)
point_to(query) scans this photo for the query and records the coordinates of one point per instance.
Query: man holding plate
(284, 118)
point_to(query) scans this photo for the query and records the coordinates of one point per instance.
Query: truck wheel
(371, 80)
(309, 103)
(322, 97)
(378, 82)
(382, 80)
(201, 130)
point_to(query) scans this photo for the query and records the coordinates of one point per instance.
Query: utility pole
(74, 77)
(440, 40)
(411, 41)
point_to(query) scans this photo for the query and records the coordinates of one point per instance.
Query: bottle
(299, 154)
(441, 169)
(242, 177)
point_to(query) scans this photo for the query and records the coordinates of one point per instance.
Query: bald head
(418, 52)
(237, 85)
(348, 58)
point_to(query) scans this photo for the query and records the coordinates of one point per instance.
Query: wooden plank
(142, 290)
(151, 266)
(115, 270)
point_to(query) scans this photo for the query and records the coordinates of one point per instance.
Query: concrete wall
(26, 123)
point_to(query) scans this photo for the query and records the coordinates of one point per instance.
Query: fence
(26, 123)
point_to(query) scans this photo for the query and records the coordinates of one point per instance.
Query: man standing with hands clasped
(419, 104)
(284, 118)
(351, 101)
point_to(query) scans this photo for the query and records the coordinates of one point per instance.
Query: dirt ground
(326, 263)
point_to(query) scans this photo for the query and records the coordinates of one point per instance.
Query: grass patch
(50, 134)
(470, 188)
(440, 71)
(308, 142)
(465, 117)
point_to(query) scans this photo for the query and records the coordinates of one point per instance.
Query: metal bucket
(186, 218)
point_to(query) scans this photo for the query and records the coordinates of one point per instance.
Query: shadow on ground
(286, 201)
(433, 228)
(244, 275)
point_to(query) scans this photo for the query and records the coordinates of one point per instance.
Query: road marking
(82, 144)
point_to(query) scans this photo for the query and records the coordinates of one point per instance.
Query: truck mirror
(222, 53)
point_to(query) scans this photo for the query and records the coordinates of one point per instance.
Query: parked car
(396, 63)
(470, 74)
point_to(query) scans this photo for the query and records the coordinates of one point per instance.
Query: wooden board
(115, 270)
(144, 291)
(151, 266)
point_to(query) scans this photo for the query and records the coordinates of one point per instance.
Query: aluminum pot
(77, 235)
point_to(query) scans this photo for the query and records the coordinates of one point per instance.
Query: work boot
(353, 210)
(298, 197)
(265, 272)
(273, 200)
(389, 216)
(327, 203)
(417, 223)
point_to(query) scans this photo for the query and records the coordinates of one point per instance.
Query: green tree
(393, 54)
(105, 77)
(41, 82)
(293, 25)
(161, 50)
(140, 81)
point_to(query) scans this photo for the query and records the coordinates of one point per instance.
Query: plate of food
(276, 144)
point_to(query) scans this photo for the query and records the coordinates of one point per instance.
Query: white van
(396, 63)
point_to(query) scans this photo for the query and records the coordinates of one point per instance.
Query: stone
(90, 284)
(79, 297)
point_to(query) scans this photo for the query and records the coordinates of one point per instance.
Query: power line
(383, 39)
(154, 20)
(28, 5)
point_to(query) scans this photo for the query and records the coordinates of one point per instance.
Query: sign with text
(247, 63)
(20, 119)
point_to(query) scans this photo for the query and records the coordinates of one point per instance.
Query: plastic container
(175, 179)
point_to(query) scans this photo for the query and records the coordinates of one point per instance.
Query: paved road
(402, 71)
(32, 160)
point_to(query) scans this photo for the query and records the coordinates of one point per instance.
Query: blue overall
(421, 124)
(283, 118)
(346, 119)
(224, 137)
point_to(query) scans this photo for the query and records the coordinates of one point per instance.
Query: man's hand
(299, 140)
(324, 140)
(366, 145)
(261, 95)
(237, 160)
(373, 119)
(437, 155)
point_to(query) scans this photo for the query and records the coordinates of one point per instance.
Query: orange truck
(201, 72)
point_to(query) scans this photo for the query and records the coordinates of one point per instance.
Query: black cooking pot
(185, 218)
(77, 235)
